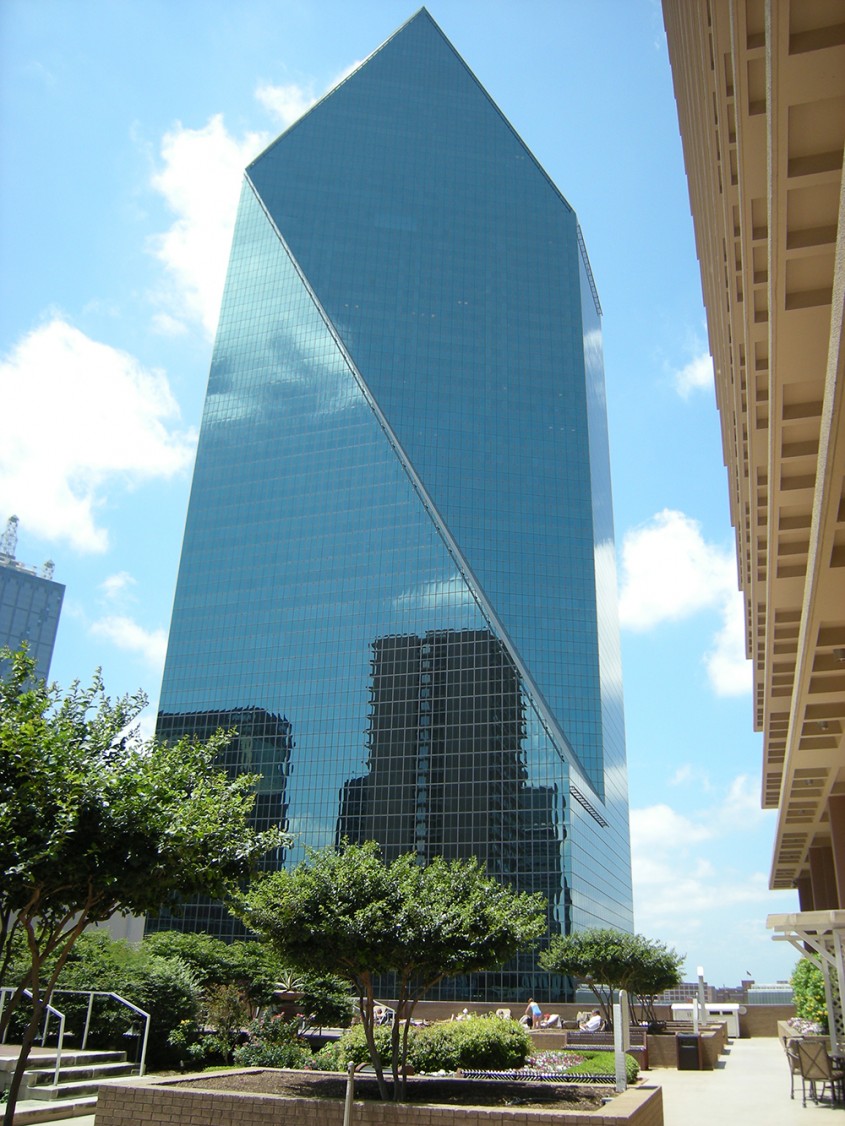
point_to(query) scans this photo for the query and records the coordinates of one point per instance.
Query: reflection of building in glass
(447, 772)
(30, 604)
(262, 744)
(404, 438)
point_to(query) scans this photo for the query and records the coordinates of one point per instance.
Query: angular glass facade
(399, 540)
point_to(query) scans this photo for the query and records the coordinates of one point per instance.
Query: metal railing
(48, 1010)
(90, 994)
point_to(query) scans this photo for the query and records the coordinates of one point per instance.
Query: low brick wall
(663, 1047)
(757, 1020)
(202, 1100)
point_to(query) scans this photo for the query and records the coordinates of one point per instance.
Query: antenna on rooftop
(9, 541)
(48, 569)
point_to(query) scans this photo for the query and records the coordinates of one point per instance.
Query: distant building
(746, 993)
(30, 603)
(778, 993)
(686, 991)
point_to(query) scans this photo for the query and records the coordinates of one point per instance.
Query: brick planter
(236, 1098)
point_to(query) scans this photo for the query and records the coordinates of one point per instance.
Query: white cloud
(81, 417)
(200, 180)
(117, 586)
(166, 325)
(669, 573)
(689, 775)
(126, 634)
(728, 668)
(688, 887)
(697, 375)
(659, 828)
(287, 103)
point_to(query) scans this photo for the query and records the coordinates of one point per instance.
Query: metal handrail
(90, 994)
(48, 1009)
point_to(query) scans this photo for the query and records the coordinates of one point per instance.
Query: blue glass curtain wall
(395, 559)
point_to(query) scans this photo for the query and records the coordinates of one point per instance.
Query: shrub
(273, 1042)
(352, 1048)
(166, 989)
(326, 999)
(478, 1042)
(808, 993)
(329, 1058)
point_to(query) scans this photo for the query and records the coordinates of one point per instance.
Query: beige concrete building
(760, 88)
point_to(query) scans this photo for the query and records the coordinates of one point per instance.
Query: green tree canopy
(93, 821)
(253, 967)
(350, 913)
(808, 993)
(607, 959)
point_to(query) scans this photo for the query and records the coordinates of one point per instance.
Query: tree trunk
(27, 1041)
(369, 1036)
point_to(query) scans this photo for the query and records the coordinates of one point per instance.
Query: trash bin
(688, 1046)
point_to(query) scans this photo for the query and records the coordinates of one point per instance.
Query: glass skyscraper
(398, 565)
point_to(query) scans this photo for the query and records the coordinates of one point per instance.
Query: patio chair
(790, 1046)
(816, 1068)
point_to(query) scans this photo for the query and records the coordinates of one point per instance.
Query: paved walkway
(750, 1087)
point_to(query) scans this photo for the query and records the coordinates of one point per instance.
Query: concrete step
(27, 1112)
(70, 1058)
(62, 1091)
(36, 1077)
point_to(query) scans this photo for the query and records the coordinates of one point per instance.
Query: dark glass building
(400, 531)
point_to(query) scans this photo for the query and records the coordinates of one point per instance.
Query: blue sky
(125, 126)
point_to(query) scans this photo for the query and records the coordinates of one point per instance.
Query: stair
(43, 1099)
(81, 1077)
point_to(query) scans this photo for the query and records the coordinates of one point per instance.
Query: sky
(125, 126)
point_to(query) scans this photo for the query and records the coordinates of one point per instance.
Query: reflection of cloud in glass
(289, 344)
(318, 831)
(594, 361)
(438, 594)
(606, 587)
(281, 362)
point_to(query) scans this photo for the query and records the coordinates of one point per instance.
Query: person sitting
(593, 1022)
(533, 1014)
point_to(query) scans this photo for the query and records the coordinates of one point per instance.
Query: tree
(659, 968)
(252, 967)
(348, 912)
(94, 822)
(609, 959)
(808, 993)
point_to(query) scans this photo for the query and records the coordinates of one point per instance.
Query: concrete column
(836, 812)
(823, 876)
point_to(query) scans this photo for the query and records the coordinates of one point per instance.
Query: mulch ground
(452, 1091)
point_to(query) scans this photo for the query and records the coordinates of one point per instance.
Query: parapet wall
(757, 1020)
